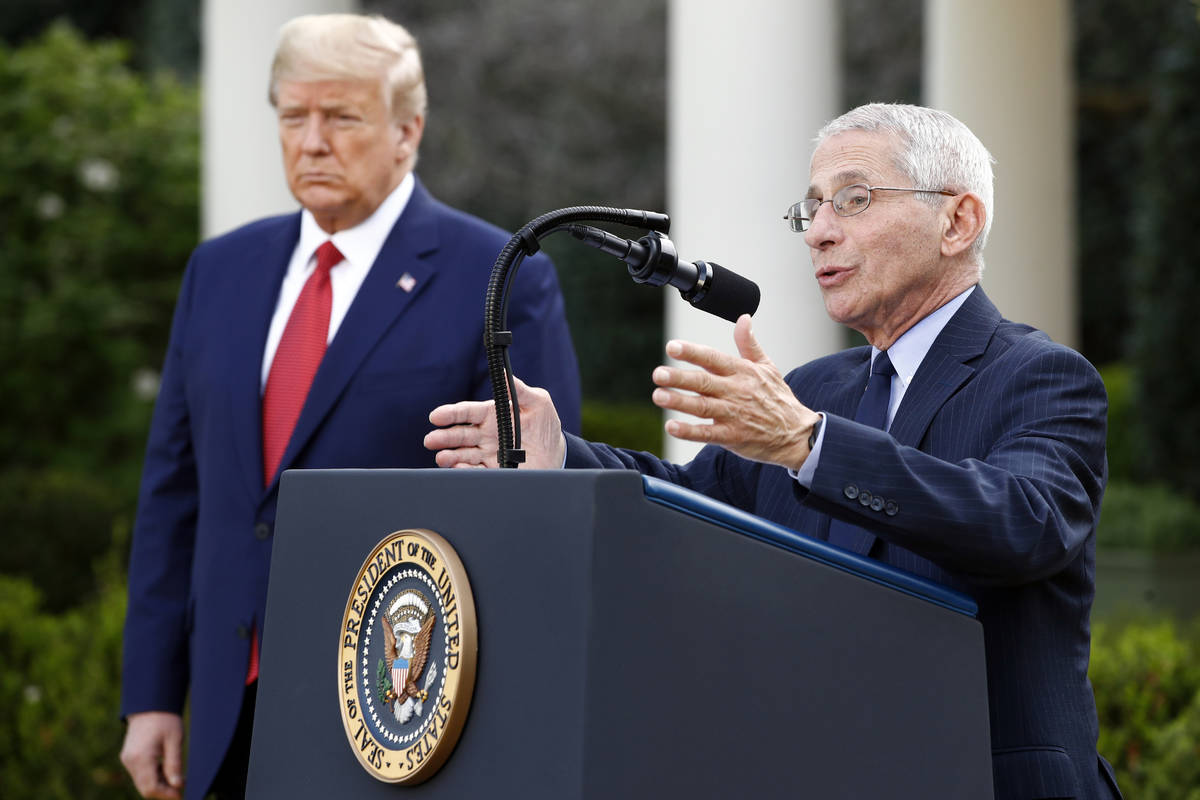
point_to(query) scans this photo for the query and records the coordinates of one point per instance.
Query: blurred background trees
(99, 181)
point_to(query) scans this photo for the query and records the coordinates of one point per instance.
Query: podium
(635, 640)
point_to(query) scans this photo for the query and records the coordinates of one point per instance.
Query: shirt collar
(361, 244)
(909, 350)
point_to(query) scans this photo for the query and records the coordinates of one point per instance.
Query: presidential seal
(406, 657)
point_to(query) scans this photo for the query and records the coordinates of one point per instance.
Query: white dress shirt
(359, 245)
(906, 354)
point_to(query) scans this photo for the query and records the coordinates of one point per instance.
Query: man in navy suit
(984, 470)
(392, 327)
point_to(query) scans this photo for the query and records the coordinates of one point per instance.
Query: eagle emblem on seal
(407, 631)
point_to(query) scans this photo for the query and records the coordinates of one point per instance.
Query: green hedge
(638, 426)
(1150, 517)
(1147, 683)
(59, 689)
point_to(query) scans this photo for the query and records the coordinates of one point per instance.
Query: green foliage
(1148, 517)
(1112, 40)
(58, 523)
(1123, 421)
(383, 682)
(99, 186)
(638, 426)
(59, 696)
(1147, 684)
(1166, 215)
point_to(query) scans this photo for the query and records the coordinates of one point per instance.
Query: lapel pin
(406, 282)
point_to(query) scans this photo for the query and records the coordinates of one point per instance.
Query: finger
(693, 432)
(689, 380)
(455, 436)
(747, 344)
(172, 766)
(702, 355)
(471, 412)
(691, 404)
(465, 457)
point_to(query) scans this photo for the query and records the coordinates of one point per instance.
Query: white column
(1005, 70)
(242, 174)
(750, 83)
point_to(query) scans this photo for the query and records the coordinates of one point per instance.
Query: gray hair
(322, 47)
(936, 151)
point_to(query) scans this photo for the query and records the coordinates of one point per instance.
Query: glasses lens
(798, 216)
(851, 200)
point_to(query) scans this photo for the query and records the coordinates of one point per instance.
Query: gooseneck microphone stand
(496, 336)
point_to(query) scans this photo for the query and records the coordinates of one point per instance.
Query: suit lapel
(250, 317)
(379, 302)
(945, 367)
(943, 370)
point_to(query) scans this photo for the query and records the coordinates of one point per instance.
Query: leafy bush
(638, 426)
(1147, 684)
(59, 689)
(1166, 220)
(1148, 517)
(99, 186)
(58, 523)
(1123, 420)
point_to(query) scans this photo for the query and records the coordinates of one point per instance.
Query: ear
(408, 137)
(965, 218)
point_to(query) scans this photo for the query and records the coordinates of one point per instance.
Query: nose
(825, 228)
(314, 140)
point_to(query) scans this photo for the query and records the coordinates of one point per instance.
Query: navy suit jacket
(989, 480)
(202, 540)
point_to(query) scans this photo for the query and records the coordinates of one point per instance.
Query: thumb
(748, 347)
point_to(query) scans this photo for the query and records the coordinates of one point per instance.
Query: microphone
(652, 259)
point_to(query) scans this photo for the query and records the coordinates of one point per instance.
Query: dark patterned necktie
(872, 410)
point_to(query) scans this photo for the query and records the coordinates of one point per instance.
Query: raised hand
(752, 411)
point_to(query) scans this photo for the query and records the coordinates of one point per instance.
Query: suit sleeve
(542, 353)
(155, 670)
(714, 471)
(1021, 501)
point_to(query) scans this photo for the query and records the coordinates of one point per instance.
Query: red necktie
(296, 360)
(292, 370)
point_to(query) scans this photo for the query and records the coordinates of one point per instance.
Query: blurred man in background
(319, 339)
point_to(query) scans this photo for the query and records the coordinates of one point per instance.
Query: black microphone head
(727, 294)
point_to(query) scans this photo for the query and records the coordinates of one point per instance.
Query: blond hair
(322, 47)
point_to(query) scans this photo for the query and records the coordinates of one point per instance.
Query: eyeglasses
(847, 201)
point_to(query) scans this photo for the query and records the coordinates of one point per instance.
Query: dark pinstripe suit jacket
(989, 481)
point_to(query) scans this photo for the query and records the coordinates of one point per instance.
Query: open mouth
(832, 276)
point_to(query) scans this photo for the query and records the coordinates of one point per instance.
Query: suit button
(243, 632)
(262, 530)
(851, 491)
(877, 504)
(890, 508)
(865, 497)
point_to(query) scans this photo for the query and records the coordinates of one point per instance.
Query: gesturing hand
(471, 441)
(753, 412)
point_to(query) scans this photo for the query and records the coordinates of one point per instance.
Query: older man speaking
(959, 446)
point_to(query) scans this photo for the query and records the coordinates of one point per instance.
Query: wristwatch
(816, 431)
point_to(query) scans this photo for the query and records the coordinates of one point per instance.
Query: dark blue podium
(636, 640)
